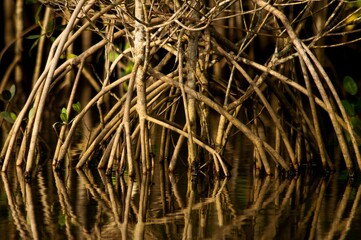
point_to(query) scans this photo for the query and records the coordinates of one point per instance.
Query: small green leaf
(12, 90)
(13, 116)
(113, 55)
(76, 107)
(33, 36)
(350, 85)
(129, 68)
(31, 113)
(62, 219)
(349, 107)
(126, 46)
(37, 18)
(8, 116)
(70, 56)
(64, 115)
(125, 86)
(114, 180)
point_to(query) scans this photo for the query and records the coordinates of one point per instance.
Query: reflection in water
(90, 205)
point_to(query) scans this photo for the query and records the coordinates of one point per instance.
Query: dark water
(89, 205)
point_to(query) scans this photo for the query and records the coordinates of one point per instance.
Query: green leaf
(349, 107)
(62, 219)
(114, 180)
(13, 116)
(71, 55)
(37, 15)
(125, 86)
(129, 68)
(9, 117)
(350, 85)
(113, 55)
(12, 90)
(36, 36)
(76, 107)
(64, 115)
(31, 113)
(127, 45)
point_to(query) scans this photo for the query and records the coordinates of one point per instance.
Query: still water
(86, 204)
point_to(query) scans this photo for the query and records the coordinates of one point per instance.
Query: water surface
(87, 204)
